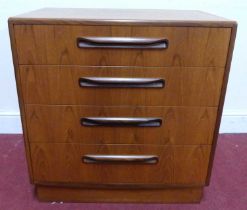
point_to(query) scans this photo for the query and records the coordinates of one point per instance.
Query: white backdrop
(235, 109)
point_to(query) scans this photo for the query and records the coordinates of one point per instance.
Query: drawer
(122, 45)
(160, 86)
(157, 125)
(119, 164)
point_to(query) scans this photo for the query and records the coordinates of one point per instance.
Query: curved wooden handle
(147, 159)
(122, 42)
(113, 82)
(121, 122)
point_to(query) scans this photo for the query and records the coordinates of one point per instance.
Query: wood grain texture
(120, 14)
(222, 100)
(169, 195)
(196, 66)
(20, 99)
(56, 44)
(103, 16)
(181, 125)
(195, 86)
(62, 162)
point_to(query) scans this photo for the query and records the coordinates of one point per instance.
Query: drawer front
(119, 164)
(58, 44)
(158, 125)
(174, 86)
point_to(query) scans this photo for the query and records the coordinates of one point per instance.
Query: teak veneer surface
(168, 195)
(180, 125)
(184, 86)
(122, 17)
(184, 165)
(57, 44)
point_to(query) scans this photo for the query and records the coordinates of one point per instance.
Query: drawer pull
(112, 82)
(121, 122)
(122, 42)
(147, 159)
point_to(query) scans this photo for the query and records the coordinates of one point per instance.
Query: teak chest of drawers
(121, 105)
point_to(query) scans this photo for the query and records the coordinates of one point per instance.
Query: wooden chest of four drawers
(121, 105)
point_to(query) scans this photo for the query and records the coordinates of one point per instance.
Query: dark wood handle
(147, 159)
(122, 42)
(121, 122)
(112, 82)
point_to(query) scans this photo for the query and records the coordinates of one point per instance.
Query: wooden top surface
(121, 17)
